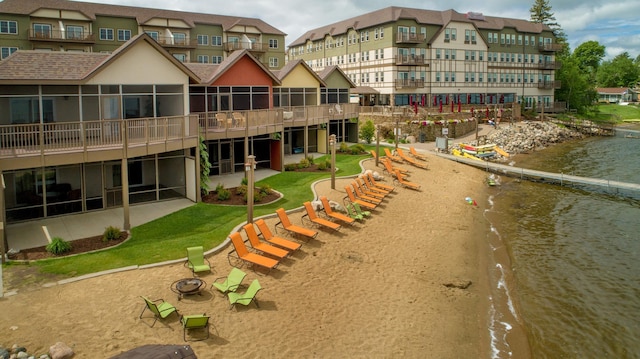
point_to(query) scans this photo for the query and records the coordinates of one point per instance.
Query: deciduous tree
(619, 72)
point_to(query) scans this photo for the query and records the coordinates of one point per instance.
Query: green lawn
(618, 112)
(201, 224)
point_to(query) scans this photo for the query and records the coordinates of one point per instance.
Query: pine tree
(541, 13)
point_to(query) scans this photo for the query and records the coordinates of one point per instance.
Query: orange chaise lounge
(265, 248)
(265, 232)
(253, 258)
(291, 228)
(313, 217)
(326, 206)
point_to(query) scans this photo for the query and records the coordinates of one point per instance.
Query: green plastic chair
(197, 321)
(159, 308)
(231, 282)
(247, 297)
(352, 213)
(359, 210)
(196, 260)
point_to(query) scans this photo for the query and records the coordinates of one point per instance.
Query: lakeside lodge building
(401, 56)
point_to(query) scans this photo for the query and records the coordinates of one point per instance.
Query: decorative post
(377, 144)
(332, 143)
(250, 167)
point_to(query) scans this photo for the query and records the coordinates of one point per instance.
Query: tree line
(583, 69)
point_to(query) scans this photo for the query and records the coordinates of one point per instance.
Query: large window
(6, 51)
(203, 59)
(106, 34)
(179, 38)
(154, 35)
(42, 30)
(75, 32)
(8, 27)
(273, 43)
(273, 62)
(203, 40)
(124, 35)
(216, 40)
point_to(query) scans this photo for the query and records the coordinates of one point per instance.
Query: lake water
(574, 253)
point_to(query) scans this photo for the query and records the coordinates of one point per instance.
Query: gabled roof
(613, 90)
(421, 16)
(41, 67)
(209, 73)
(327, 71)
(141, 14)
(286, 69)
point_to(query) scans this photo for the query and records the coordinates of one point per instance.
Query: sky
(614, 24)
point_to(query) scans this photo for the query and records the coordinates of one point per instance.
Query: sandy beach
(383, 288)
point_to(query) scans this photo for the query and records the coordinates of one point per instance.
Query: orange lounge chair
(367, 189)
(313, 217)
(335, 215)
(275, 240)
(414, 153)
(388, 166)
(391, 156)
(404, 183)
(362, 196)
(292, 228)
(243, 253)
(374, 154)
(374, 183)
(410, 160)
(352, 197)
(263, 247)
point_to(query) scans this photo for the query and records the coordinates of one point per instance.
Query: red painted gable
(245, 72)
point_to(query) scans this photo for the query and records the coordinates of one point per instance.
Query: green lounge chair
(352, 212)
(196, 260)
(159, 308)
(247, 297)
(197, 321)
(359, 210)
(231, 282)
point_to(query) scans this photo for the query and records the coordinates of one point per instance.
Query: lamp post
(332, 143)
(249, 167)
(377, 144)
(397, 132)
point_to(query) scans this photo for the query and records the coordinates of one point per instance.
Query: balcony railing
(241, 45)
(549, 84)
(62, 36)
(237, 120)
(37, 139)
(550, 65)
(168, 41)
(409, 38)
(410, 60)
(550, 47)
(406, 83)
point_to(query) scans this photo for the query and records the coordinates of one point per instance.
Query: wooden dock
(614, 187)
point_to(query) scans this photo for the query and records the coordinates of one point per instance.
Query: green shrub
(368, 131)
(344, 147)
(304, 163)
(242, 190)
(58, 246)
(359, 147)
(327, 163)
(265, 189)
(111, 233)
(354, 150)
(310, 158)
(290, 166)
(322, 166)
(224, 194)
(219, 187)
(244, 181)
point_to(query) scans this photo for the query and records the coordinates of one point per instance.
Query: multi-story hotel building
(62, 25)
(407, 56)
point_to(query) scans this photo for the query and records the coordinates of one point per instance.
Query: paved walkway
(83, 225)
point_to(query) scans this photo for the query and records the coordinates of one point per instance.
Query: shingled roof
(421, 16)
(141, 14)
(209, 73)
(59, 67)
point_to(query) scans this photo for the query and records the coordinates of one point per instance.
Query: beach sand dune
(377, 289)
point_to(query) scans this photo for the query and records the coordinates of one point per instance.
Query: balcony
(546, 85)
(251, 46)
(410, 60)
(62, 36)
(550, 65)
(408, 38)
(74, 142)
(235, 124)
(172, 42)
(406, 83)
(550, 47)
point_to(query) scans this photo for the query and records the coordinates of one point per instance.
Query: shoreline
(380, 287)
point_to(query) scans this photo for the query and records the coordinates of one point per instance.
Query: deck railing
(70, 136)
